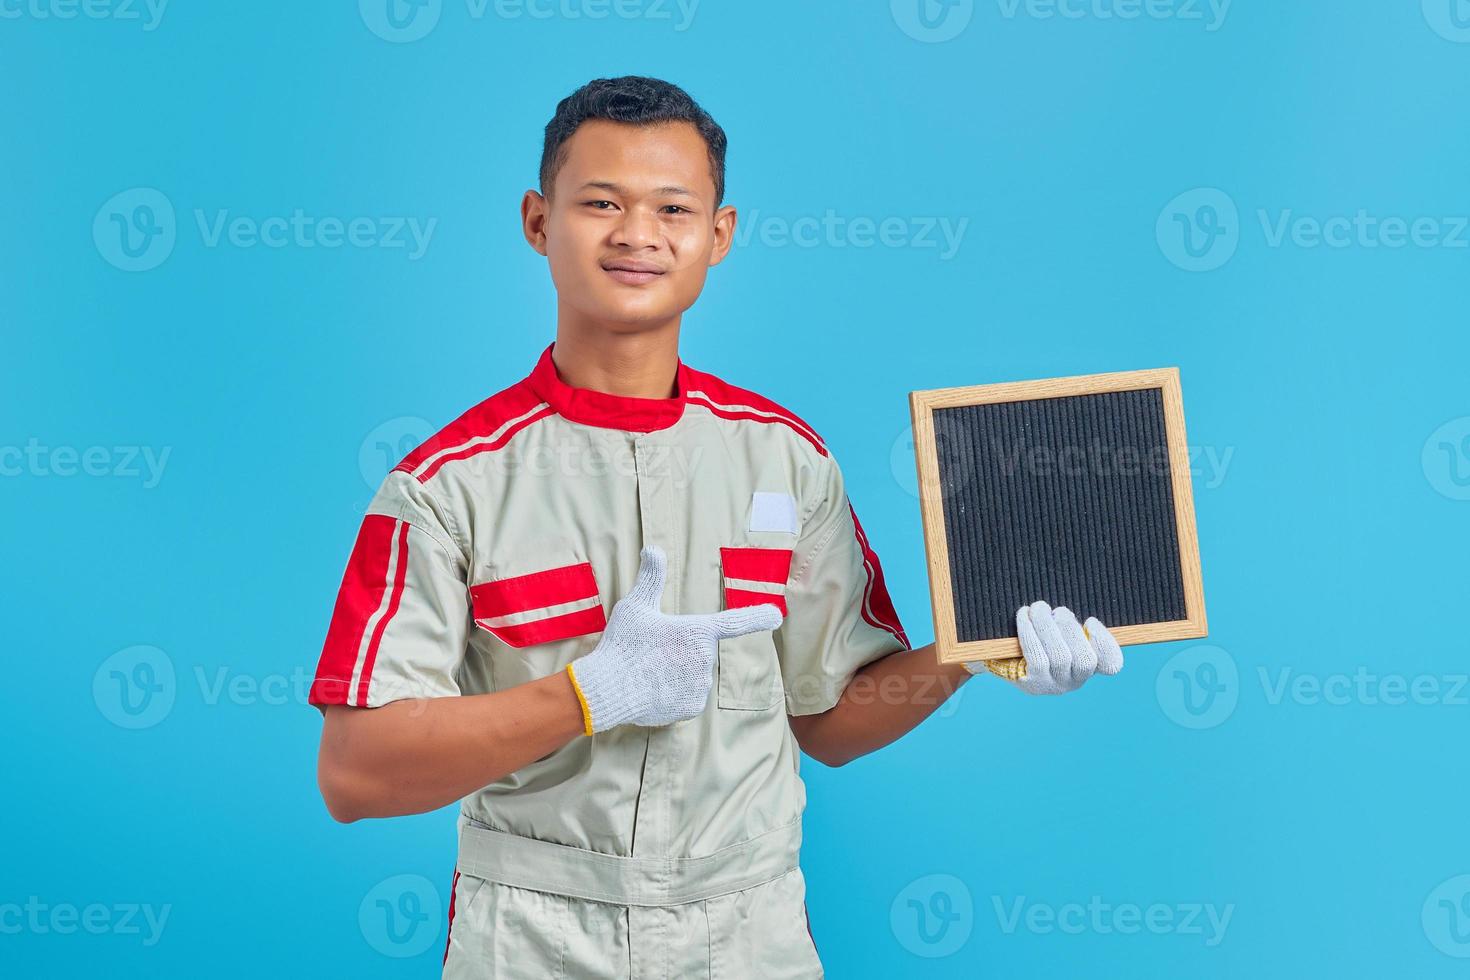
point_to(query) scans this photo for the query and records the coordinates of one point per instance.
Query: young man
(605, 607)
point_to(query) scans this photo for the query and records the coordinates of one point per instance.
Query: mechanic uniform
(492, 555)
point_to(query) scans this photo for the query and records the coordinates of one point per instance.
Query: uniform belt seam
(661, 886)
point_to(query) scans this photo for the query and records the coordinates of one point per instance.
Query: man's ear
(535, 211)
(725, 219)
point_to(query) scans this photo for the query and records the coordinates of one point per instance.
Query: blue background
(1334, 538)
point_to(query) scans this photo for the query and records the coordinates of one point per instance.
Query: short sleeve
(401, 619)
(839, 616)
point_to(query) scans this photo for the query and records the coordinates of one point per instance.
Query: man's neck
(641, 364)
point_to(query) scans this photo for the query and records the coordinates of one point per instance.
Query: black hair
(633, 99)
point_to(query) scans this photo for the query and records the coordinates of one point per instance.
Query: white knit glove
(651, 668)
(1058, 654)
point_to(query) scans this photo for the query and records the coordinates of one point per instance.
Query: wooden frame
(922, 405)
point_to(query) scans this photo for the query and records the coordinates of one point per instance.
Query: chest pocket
(554, 603)
(749, 670)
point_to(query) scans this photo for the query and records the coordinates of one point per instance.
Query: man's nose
(638, 229)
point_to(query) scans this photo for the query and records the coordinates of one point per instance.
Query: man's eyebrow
(608, 185)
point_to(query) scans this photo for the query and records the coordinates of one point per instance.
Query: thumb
(746, 619)
(648, 589)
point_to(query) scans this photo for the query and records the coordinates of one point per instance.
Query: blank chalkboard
(1072, 490)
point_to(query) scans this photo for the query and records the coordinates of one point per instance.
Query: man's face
(631, 227)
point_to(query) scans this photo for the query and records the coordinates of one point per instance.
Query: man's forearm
(419, 754)
(885, 699)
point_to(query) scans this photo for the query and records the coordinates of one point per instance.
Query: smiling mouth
(632, 276)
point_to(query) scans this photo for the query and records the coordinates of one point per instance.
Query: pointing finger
(746, 619)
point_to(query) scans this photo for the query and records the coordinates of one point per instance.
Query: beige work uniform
(492, 555)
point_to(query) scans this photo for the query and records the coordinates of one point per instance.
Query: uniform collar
(609, 411)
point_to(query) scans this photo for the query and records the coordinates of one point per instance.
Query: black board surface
(1063, 499)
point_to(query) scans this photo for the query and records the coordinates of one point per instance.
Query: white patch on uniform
(772, 512)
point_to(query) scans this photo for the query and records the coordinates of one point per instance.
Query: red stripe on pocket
(552, 627)
(757, 564)
(735, 598)
(536, 590)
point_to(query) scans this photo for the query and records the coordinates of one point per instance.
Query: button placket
(655, 795)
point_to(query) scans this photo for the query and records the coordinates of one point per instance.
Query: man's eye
(680, 209)
(596, 204)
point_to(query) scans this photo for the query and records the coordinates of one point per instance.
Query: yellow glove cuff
(582, 700)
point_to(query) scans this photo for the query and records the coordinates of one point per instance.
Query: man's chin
(635, 313)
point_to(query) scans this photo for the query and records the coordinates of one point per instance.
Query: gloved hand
(1058, 654)
(650, 668)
